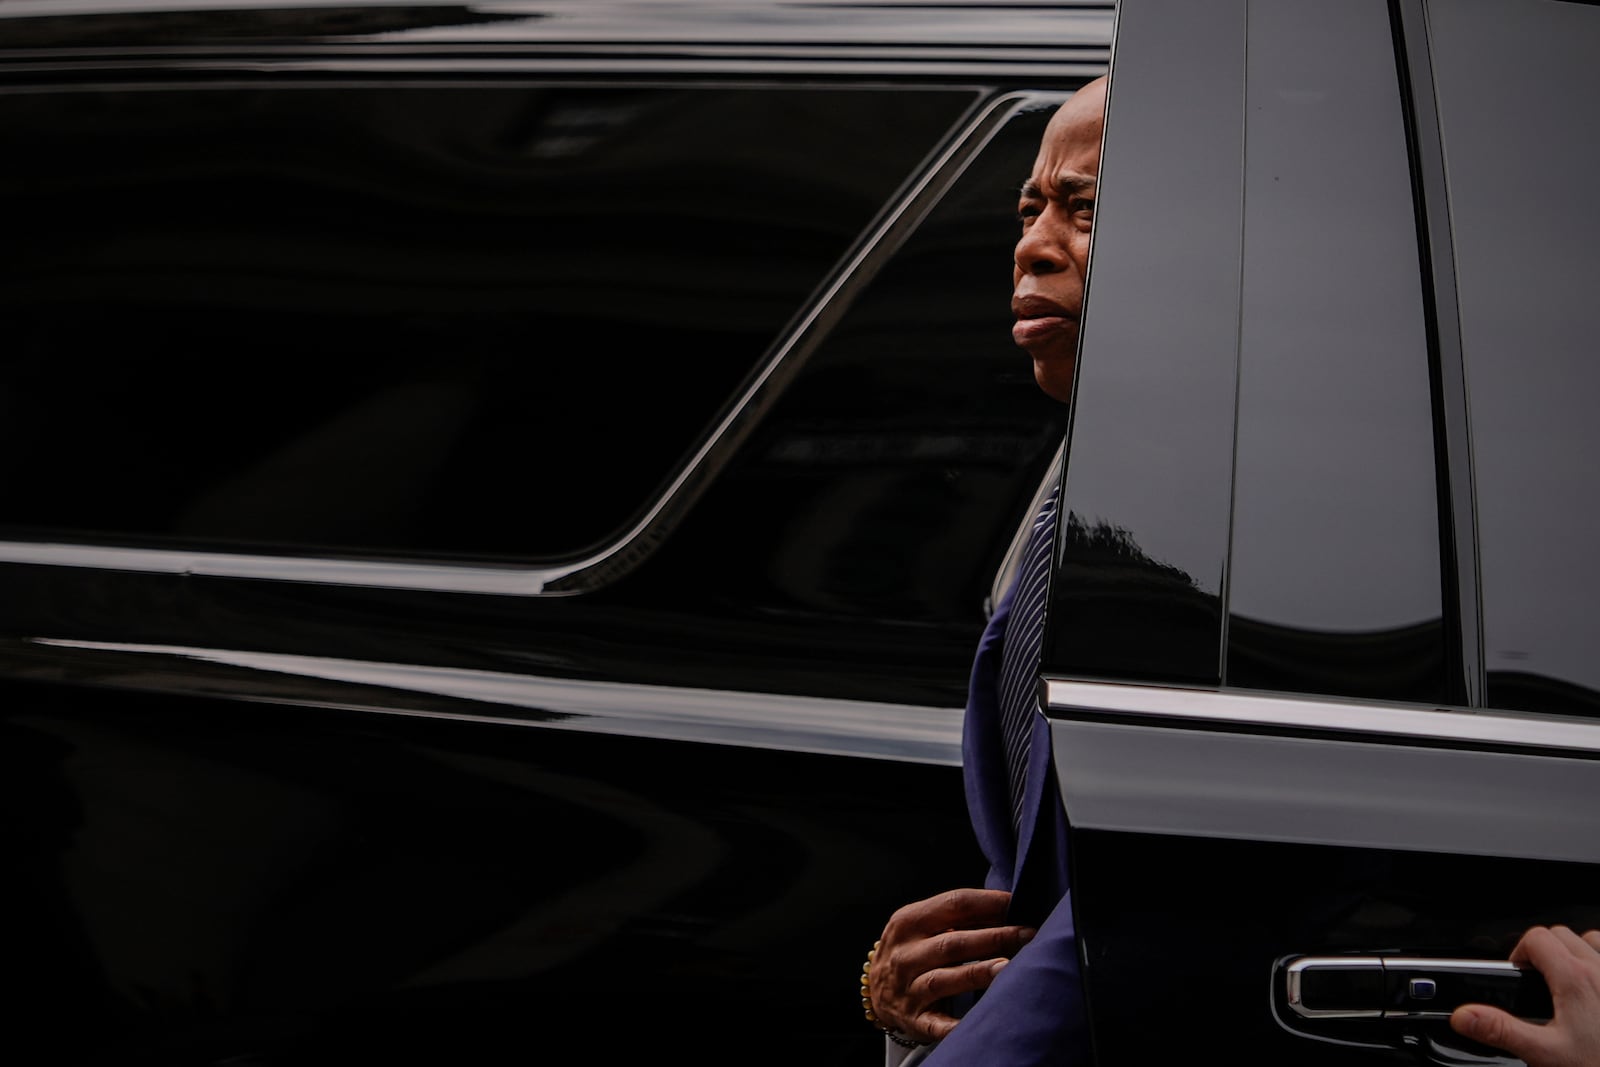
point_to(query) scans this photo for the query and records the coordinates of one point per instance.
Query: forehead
(1070, 145)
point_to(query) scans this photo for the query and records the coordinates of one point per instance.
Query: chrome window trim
(930, 67)
(1068, 698)
(882, 238)
(1241, 766)
(828, 726)
(1046, 39)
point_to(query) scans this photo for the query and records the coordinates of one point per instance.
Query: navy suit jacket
(1034, 1012)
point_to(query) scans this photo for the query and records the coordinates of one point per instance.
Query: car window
(456, 321)
(1334, 582)
(1137, 595)
(890, 477)
(1520, 156)
(1251, 479)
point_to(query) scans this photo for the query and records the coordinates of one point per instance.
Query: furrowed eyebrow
(1070, 184)
(1073, 184)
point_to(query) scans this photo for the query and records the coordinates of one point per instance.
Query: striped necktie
(1019, 660)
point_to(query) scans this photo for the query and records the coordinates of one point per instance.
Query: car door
(1319, 658)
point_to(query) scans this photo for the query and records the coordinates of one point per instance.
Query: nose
(1042, 249)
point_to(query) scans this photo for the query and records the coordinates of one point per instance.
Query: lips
(1040, 319)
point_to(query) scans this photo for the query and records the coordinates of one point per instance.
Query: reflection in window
(422, 321)
(1335, 582)
(1520, 161)
(891, 474)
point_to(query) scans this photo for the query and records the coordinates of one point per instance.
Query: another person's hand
(1571, 968)
(936, 948)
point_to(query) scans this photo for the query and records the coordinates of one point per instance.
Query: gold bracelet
(866, 1005)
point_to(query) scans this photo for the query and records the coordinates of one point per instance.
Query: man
(937, 954)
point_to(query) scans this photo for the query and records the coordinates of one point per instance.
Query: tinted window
(1520, 159)
(1138, 594)
(1334, 579)
(456, 321)
(887, 481)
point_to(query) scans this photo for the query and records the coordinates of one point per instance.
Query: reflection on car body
(503, 498)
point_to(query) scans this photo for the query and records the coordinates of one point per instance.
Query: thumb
(1491, 1026)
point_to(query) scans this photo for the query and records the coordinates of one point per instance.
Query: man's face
(1052, 256)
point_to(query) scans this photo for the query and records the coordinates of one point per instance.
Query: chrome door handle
(1408, 987)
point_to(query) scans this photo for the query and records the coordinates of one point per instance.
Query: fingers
(1491, 1026)
(909, 981)
(1542, 947)
(1576, 946)
(962, 946)
(959, 909)
(947, 982)
(1556, 951)
(934, 949)
(1570, 965)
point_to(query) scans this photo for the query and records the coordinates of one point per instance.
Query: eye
(1028, 210)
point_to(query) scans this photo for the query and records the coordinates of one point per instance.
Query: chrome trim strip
(900, 732)
(1293, 984)
(1449, 966)
(369, 573)
(873, 21)
(1269, 769)
(940, 65)
(626, 11)
(1171, 706)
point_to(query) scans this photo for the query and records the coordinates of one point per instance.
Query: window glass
(1334, 583)
(1520, 158)
(461, 321)
(1137, 595)
(888, 480)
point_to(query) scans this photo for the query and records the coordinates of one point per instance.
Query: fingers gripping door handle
(1402, 1002)
(1409, 987)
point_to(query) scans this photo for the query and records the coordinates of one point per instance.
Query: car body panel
(1270, 727)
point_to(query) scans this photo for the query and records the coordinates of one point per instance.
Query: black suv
(502, 500)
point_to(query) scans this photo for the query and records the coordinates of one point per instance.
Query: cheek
(1079, 251)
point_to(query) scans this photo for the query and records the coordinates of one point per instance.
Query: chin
(1055, 379)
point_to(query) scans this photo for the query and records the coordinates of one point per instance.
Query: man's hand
(948, 944)
(1571, 968)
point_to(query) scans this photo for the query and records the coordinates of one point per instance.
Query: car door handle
(1409, 987)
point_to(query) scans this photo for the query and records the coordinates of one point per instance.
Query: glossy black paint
(1526, 342)
(331, 816)
(1334, 565)
(1260, 898)
(354, 319)
(1143, 559)
(1229, 812)
(191, 881)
